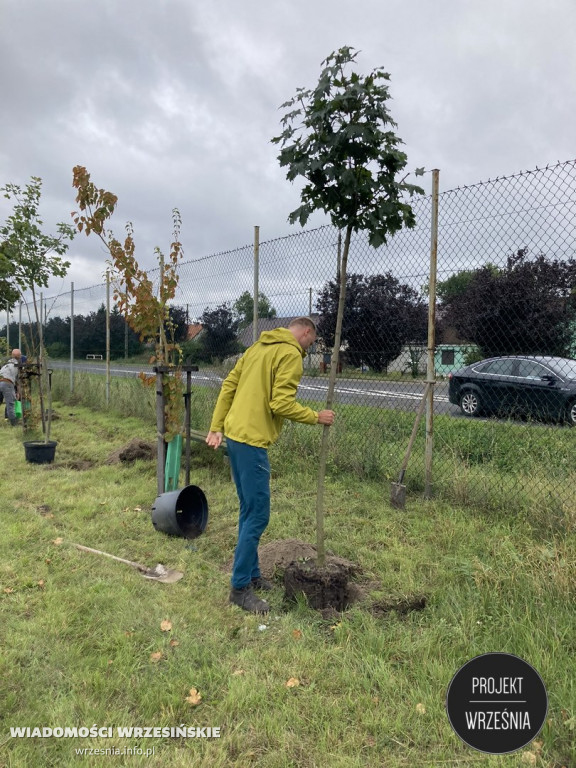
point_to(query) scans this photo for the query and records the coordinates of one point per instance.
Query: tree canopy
(219, 337)
(28, 256)
(381, 315)
(339, 136)
(526, 307)
(244, 308)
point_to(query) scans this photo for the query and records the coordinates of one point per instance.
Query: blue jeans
(251, 472)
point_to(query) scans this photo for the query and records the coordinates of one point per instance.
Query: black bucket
(39, 452)
(183, 512)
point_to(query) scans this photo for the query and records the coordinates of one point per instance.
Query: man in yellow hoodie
(256, 397)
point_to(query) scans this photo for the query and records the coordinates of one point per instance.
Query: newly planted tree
(339, 136)
(29, 258)
(144, 305)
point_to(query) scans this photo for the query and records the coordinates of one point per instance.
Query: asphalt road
(401, 395)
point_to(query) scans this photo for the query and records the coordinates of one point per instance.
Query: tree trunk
(320, 546)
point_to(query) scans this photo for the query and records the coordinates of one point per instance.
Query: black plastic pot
(183, 512)
(39, 452)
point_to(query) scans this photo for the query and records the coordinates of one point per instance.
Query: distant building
(194, 330)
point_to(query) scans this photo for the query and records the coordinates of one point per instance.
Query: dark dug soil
(330, 589)
(324, 587)
(135, 449)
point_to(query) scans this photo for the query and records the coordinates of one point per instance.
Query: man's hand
(214, 439)
(326, 417)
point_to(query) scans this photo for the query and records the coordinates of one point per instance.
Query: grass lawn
(86, 641)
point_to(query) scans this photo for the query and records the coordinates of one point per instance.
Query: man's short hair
(305, 321)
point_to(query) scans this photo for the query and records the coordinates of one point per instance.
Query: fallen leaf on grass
(174, 643)
(137, 509)
(296, 634)
(41, 583)
(421, 709)
(529, 758)
(156, 656)
(293, 682)
(57, 541)
(166, 626)
(102, 503)
(195, 697)
(8, 590)
(236, 671)
(47, 561)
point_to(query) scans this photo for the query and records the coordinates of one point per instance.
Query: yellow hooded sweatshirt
(260, 391)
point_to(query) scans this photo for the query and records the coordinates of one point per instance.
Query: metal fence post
(107, 337)
(256, 288)
(20, 326)
(430, 368)
(71, 337)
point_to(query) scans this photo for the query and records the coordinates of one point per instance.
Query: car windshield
(564, 367)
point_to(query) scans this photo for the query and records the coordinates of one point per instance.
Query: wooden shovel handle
(414, 431)
(139, 566)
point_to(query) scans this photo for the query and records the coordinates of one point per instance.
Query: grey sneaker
(246, 599)
(261, 583)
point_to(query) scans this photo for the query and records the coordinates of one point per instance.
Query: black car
(542, 387)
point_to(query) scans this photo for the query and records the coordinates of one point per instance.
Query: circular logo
(497, 703)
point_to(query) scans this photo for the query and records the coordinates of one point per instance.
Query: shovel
(158, 573)
(398, 490)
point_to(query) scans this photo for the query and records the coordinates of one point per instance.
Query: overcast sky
(172, 103)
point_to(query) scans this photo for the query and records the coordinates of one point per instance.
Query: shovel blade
(163, 574)
(398, 495)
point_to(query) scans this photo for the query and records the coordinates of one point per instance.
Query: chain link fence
(506, 289)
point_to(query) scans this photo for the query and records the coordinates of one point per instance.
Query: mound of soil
(135, 449)
(276, 556)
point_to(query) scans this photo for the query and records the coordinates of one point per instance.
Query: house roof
(194, 330)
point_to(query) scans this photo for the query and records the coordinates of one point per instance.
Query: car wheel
(470, 403)
(571, 414)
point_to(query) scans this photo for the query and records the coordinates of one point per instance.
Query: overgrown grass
(529, 469)
(80, 631)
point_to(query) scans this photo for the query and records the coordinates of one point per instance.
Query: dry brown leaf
(8, 590)
(296, 634)
(156, 656)
(41, 583)
(238, 672)
(293, 682)
(48, 561)
(174, 643)
(137, 509)
(421, 709)
(195, 697)
(166, 626)
(57, 541)
(529, 758)
(102, 503)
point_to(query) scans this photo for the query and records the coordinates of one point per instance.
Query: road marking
(373, 393)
